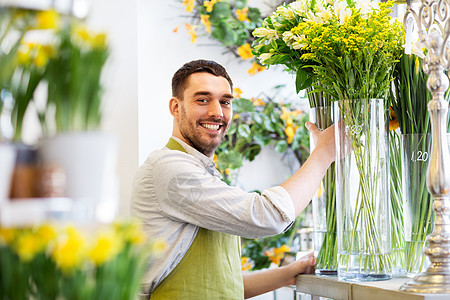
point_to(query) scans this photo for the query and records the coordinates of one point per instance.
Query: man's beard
(191, 133)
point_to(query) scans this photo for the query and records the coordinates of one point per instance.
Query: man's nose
(215, 109)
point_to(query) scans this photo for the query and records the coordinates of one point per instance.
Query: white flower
(365, 7)
(296, 45)
(265, 56)
(299, 7)
(265, 32)
(417, 49)
(288, 38)
(342, 10)
(285, 12)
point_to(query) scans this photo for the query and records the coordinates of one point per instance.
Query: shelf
(28, 212)
(331, 287)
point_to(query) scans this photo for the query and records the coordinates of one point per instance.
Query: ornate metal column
(431, 20)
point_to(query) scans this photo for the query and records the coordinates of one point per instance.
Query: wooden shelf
(331, 287)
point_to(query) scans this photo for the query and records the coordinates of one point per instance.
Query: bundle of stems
(397, 222)
(365, 239)
(326, 196)
(409, 102)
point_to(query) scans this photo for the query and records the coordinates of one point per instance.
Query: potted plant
(72, 118)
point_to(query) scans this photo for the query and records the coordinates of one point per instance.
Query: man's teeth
(211, 126)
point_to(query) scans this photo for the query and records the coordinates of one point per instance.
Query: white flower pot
(89, 161)
(7, 160)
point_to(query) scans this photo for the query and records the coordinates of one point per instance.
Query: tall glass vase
(396, 200)
(324, 205)
(418, 205)
(362, 190)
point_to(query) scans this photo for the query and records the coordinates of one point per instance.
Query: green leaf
(244, 130)
(224, 33)
(302, 80)
(281, 146)
(243, 105)
(254, 14)
(221, 10)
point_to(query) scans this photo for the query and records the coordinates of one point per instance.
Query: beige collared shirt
(175, 193)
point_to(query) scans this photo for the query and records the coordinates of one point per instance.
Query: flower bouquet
(350, 48)
(53, 262)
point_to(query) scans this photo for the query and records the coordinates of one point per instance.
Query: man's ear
(174, 107)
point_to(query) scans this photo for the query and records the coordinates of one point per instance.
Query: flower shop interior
(67, 169)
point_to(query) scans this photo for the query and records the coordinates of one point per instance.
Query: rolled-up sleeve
(187, 192)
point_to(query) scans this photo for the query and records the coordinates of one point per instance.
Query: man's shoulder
(166, 158)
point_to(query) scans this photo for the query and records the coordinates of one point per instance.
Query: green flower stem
(397, 224)
(364, 211)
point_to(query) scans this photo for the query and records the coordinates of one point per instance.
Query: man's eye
(226, 102)
(202, 100)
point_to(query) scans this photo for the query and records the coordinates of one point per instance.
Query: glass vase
(324, 205)
(418, 205)
(362, 190)
(396, 200)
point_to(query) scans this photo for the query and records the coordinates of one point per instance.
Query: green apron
(210, 269)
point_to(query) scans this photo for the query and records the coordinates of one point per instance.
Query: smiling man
(180, 198)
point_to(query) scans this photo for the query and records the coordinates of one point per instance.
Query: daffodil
(245, 51)
(48, 19)
(27, 246)
(158, 247)
(70, 250)
(106, 246)
(7, 235)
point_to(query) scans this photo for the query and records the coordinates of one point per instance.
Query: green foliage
(258, 123)
(74, 79)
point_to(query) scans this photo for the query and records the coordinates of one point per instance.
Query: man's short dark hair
(179, 79)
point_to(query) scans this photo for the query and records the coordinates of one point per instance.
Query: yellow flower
(245, 51)
(85, 38)
(189, 5)
(28, 245)
(236, 116)
(242, 14)
(99, 40)
(41, 58)
(132, 232)
(276, 254)
(258, 102)
(256, 68)
(215, 159)
(290, 132)
(237, 92)
(191, 30)
(7, 235)
(210, 5)
(205, 21)
(158, 247)
(69, 250)
(46, 233)
(48, 19)
(246, 263)
(24, 54)
(227, 171)
(107, 246)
